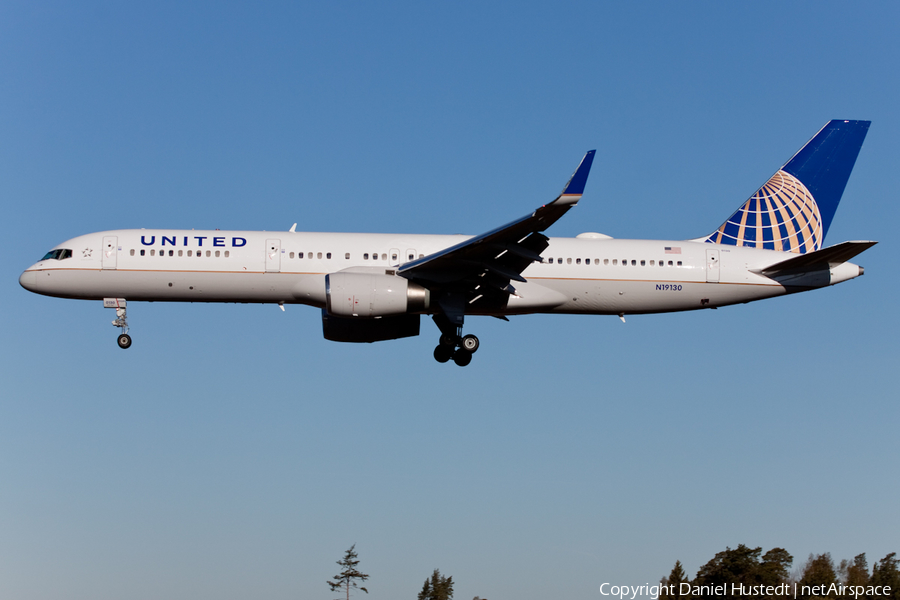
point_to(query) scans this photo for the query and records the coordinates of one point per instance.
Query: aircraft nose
(27, 280)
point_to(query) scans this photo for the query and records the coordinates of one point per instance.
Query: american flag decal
(673, 250)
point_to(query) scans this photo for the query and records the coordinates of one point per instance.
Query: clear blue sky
(233, 453)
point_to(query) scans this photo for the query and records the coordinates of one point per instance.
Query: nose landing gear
(454, 345)
(124, 340)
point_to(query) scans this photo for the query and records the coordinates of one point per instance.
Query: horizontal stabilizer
(820, 259)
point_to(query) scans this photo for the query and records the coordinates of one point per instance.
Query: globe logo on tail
(782, 215)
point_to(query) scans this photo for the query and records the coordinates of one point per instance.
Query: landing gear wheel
(469, 343)
(443, 353)
(462, 358)
(124, 341)
(448, 340)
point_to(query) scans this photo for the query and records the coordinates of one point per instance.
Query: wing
(477, 274)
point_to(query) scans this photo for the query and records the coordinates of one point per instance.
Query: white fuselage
(588, 275)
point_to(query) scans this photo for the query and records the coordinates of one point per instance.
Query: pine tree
(437, 588)
(673, 583)
(885, 572)
(856, 573)
(775, 567)
(818, 571)
(346, 579)
(738, 566)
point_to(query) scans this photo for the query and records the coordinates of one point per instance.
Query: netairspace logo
(631, 592)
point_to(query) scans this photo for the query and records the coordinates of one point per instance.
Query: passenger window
(652, 263)
(662, 263)
(679, 263)
(347, 256)
(643, 263)
(393, 257)
(605, 261)
(208, 254)
(328, 255)
(142, 252)
(633, 263)
(132, 252)
(670, 263)
(384, 256)
(596, 261)
(152, 252)
(190, 253)
(181, 253)
(366, 256)
(319, 255)
(421, 256)
(550, 260)
(411, 256)
(577, 261)
(227, 254)
(217, 254)
(291, 255)
(299, 255)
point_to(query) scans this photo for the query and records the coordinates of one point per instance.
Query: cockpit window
(58, 254)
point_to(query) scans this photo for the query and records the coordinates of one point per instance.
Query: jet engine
(373, 295)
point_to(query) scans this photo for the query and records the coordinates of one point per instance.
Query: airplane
(374, 287)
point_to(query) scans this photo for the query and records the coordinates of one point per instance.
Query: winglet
(575, 187)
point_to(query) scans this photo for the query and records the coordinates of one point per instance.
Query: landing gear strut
(124, 340)
(453, 344)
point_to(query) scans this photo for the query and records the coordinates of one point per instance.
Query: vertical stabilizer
(794, 209)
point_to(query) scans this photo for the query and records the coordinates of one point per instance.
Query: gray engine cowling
(368, 295)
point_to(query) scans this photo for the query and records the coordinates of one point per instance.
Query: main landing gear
(124, 340)
(453, 344)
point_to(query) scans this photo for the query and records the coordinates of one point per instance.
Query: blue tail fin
(794, 209)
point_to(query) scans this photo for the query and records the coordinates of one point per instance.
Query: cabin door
(712, 266)
(273, 256)
(110, 244)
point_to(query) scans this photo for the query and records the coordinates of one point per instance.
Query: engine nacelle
(354, 329)
(373, 295)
